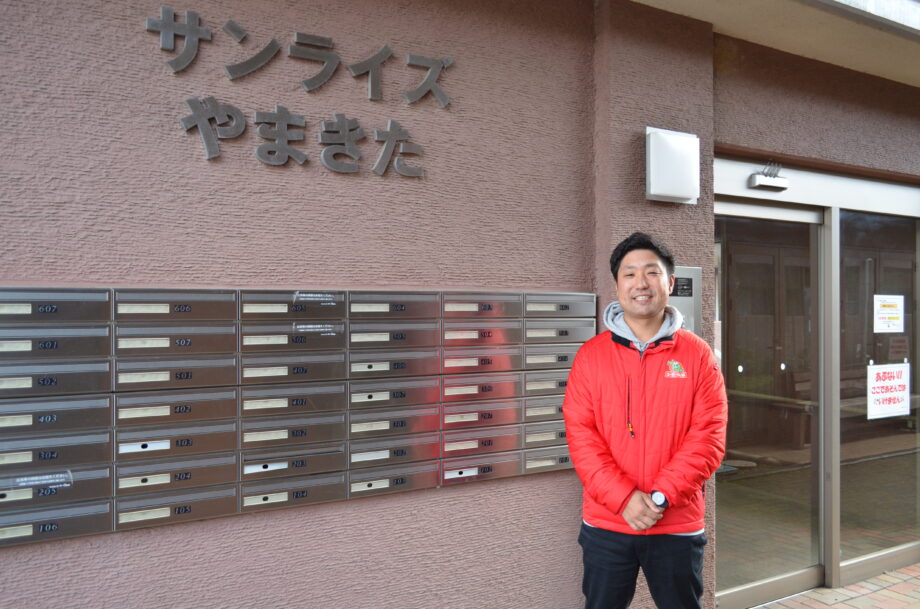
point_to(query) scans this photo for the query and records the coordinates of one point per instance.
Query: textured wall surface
(773, 101)
(652, 69)
(101, 186)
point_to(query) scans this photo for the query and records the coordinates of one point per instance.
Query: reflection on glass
(766, 488)
(879, 457)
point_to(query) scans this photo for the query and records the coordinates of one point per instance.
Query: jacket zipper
(629, 426)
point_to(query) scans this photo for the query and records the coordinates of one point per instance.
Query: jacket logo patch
(675, 370)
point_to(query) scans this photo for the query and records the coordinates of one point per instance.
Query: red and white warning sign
(888, 391)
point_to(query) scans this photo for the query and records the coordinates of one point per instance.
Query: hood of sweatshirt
(614, 319)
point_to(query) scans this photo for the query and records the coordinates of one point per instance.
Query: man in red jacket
(645, 412)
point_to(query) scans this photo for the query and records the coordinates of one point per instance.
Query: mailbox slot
(134, 513)
(540, 331)
(550, 382)
(30, 379)
(393, 392)
(462, 388)
(175, 305)
(293, 399)
(57, 452)
(404, 449)
(393, 305)
(28, 342)
(482, 332)
(547, 408)
(295, 368)
(44, 524)
(393, 421)
(385, 480)
(41, 488)
(288, 492)
(299, 304)
(546, 357)
(484, 467)
(174, 339)
(172, 373)
(52, 415)
(174, 474)
(393, 363)
(394, 334)
(169, 441)
(54, 306)
(175, 406)
(296, 461)
(466, 360)
(544, 434)
(293, 336)
(286, 431)
(482, 304)
(560, 304)
(546, 459)
(481, 414)
(479, 441)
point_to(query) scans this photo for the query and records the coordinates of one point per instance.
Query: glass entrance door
(878, 384)
(767, 488)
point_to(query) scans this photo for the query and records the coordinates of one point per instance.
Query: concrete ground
(892, 590)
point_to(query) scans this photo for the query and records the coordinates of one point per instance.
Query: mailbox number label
(299, 370)
(562, 358)
(298, 433)
(182, 509)
(397, 336)
(180, 476)
(399, 452)
(485, 361)
(300, 494)
(396, 424)
(182, 409)
(485, 334)
(485, 388)
(47, 455)
(48, 527)
(299, 463)
(184, 442)
(47, 308)
(47, 491)
(48, 418)
(395, 395)
(47, 381)
(183, 375)
(485, 307)
(48, 344)
(183, 342)
(397, 307)
(182, 308)
(400, 480)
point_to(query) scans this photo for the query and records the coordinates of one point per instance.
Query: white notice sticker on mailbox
(370, 485)
(539, 463)
(370, 307)
(15, 495)
(461, 362)
(541, 411)
(144, 343)
(262, 404)
(541, 306)
(11, 458)
(467, 445)
(466, 417)
(540, 333)
(541, 359)
(538, 385)
(268, 339)
(464, 390)
(136, 481)
(264, 436)
(140, 413)
(370, 337)
(460, 334)
(16, 420)
(357, 398)
(272, 371)
(143, 515)
(264, 499)
(159, 308)
(370, 367)
(16, 308)
(264, 467)
(372, 426)
(265, 308)
(466, 472)
(18, 382)
(143, 447)
(9, 346)
(373, 455)
(451, 307)
(541, 437)
(24, 530)
(144, 377)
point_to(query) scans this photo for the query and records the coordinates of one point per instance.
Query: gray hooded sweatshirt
(614, 319)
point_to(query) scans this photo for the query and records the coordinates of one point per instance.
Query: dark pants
(673, 567)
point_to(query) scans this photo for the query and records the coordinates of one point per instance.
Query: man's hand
(640, 512)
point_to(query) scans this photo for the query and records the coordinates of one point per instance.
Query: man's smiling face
(643, 285)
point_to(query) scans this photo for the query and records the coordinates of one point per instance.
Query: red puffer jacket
(652, 421)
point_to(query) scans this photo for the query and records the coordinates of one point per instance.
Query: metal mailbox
(544, 434)
(544, 357)
(389, 451)
(54, 306)
(391, 363)
(394, 334)
(393, 421)
(483, 467)
(175, 440)
(174, 474)
(284, 431)
(482, 332)
(297, 368)
(299, 461)
(481, 414)
(57, 451)
(52, 415)
(393, 305)
(293, 491)
(175, 406)
(28, 342)
(482, 304)
(394, 392)
(465, 360)
(175, 305)
(384, 480)
(174, 339)
(479, 441)
(546, 459)
(297, 304)
(482, 386)
(44, 524)
(31, 379)
(561, 304)
(559, 330)
(41, 488)
(138, 374)
(292, 336)
(547, 382)
(293, 399)
(548, 408)
(152, 510)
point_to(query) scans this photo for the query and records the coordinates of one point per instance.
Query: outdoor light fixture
(672, 166)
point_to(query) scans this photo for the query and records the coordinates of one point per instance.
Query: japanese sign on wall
(888, 393)
(888, 313)
(218, 119)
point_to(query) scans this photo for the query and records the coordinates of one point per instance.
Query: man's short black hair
(640, 241)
